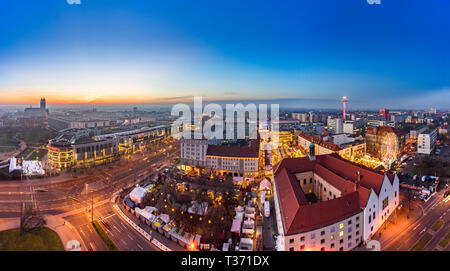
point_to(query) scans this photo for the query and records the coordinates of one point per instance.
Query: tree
(30, 220)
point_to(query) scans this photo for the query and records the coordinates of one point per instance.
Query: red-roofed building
(349, 151)
(234, 160)
(329, 203)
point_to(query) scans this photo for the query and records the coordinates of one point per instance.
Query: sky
(309, 53)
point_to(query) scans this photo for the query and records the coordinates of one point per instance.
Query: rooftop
(250, 150)
(353, 181)
(319, 141)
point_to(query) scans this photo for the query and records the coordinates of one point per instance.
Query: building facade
(78, 148)
(348, 150)
(220, 160)
(426, 141)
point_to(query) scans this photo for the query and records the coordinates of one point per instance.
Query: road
(71, 198)
(411, 231)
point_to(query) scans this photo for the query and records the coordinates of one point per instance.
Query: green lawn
(445, 241)
(25, 153)
(40, 239)
(38, 154)
(35, 136)
(422, 242)
(108, 242)
(437, 225)
(6, 139)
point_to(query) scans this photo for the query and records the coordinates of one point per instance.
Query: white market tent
(147, 213)
(236, 226)
(265, 185)
(164, 217)
(137, 194)
(246, 244)
(237, 179)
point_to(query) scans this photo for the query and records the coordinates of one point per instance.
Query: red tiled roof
(249, 151)
(336, 181)
(298, 215)
(319, 141)
(313, 216)
(368, 178)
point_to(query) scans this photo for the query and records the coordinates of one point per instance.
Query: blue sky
(103, 51)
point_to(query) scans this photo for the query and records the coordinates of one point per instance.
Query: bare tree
(30, 220)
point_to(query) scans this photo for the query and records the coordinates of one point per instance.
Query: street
(404, 234)
(71, 198)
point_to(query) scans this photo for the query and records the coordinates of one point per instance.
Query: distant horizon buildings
(36, 116)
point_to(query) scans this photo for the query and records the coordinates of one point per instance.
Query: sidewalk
(394, 227)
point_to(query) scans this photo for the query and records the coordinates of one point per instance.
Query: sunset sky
(134, 51)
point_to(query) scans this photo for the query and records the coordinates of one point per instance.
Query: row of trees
(218, 219)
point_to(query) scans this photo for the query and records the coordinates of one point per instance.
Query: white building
(234, 160)
(426, 141)
(414, 133)
(351, 204)
(349, 127)
(335, 125)
(193, 151)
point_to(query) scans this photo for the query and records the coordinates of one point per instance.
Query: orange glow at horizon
(28, 98)
(71, 97)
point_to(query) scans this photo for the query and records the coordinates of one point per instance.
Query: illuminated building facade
(78, 148)
(286, 138)
(239, 160)
(82, 153)
(327, 203)
(348, 151)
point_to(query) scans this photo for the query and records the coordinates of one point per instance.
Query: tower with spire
(43, 103)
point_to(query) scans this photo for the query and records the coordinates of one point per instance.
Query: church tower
(42, 103)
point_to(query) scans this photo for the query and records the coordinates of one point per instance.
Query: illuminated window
(332, 237)
(341, 233)
(341, 225)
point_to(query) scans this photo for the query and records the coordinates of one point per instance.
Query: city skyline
(306, 54)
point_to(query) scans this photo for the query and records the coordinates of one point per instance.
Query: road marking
(104, 218)
(123, 242)
(92, 246)
(423, 230)
(140, 246)
(131, 237)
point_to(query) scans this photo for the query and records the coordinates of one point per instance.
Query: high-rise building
(426, 141)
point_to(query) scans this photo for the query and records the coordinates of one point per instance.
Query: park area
(39, 239)
(7, 143)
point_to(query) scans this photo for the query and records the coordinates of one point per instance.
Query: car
(446, 194)
(40, 189)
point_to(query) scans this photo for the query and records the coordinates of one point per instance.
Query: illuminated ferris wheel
(389, 148)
